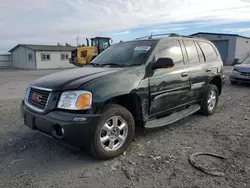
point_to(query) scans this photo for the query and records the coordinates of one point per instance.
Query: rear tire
(233, 82)
(210, 101)
(114, 133)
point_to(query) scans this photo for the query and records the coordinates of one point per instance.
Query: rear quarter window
(208, 50)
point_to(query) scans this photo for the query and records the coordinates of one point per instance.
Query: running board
(173, 117)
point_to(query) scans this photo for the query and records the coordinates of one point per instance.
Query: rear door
(201, 57)
(196, 66)
(213, 62)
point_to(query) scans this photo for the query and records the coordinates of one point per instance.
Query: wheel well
(131, 102)
(217, 82)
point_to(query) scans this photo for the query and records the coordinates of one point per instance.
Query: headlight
(236, 71)
(75, 100)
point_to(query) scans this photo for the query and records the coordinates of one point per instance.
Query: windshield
(104, 43)
(125, 54)
(246, 61)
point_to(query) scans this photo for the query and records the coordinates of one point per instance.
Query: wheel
(210, 101)
(114, 133)
(233, 82)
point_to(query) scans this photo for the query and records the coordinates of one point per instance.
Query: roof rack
(164, 34)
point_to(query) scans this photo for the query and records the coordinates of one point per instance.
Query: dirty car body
(127, 85)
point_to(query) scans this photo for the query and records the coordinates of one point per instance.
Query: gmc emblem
(36, 97)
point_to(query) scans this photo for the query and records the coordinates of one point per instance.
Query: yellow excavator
(83, 55)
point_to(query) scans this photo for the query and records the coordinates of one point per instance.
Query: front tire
(210, 101)
(114, 133)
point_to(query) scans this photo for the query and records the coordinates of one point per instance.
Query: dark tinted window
(200, 53)
(84, 53)
(171, 49)
(191, 52)
(208, 50)
(30, 57)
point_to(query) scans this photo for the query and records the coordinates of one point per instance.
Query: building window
(45, 57)
(30, 56)
(64, 57)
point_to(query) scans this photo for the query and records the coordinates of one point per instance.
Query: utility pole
(77, 38)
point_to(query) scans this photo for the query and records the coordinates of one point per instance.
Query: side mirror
(163, 63)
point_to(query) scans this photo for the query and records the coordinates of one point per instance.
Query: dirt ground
(156, 158)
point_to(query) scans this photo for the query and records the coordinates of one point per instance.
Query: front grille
(245, 73)
(38, 98)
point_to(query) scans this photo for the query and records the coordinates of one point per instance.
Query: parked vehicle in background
(148, 83)
(241, 72)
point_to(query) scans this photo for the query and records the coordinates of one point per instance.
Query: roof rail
(157, 35)
(164, 34)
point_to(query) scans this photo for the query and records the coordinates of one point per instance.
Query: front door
(169, 87)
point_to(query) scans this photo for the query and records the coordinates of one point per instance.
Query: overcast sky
(52, 21)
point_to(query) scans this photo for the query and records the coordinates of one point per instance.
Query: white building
(5, 60)
(232, 47)
(28, 56)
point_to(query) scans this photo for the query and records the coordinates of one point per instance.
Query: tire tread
(204, 109)
(108, 111)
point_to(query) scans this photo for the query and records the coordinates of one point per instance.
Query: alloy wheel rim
(211, 100)
(113, 133)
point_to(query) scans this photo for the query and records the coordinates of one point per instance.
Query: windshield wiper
(118, 65)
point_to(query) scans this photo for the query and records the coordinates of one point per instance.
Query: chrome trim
(197, 85)
(26, 99)
(40, 88)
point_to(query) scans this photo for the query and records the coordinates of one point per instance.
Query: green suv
(148, 83)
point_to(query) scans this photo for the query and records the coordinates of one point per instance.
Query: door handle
(208, 70)
(185, 74)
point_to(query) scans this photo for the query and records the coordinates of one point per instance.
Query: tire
(113, 113)
(206, 108)
(233, 82)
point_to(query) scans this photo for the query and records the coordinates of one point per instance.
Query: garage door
(5, 60)
(222, 46)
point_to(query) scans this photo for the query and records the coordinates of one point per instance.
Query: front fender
(130, 80)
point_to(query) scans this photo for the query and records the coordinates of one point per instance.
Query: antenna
(77, 38)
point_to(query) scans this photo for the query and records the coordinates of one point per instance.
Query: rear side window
(208, 50)
(200, 53)
(171, 49)
(191, 52)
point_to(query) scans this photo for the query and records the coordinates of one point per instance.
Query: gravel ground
(156, 158)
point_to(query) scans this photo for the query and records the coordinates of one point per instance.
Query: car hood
(242, 67)
(73, 78)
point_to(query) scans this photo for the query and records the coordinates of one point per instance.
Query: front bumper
(76, 129)
(239, 78)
